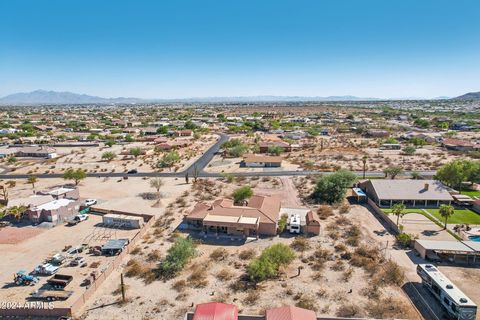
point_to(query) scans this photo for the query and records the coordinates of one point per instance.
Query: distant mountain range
(469, 96)
(54, 97)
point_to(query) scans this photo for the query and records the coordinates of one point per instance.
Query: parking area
(33, 251)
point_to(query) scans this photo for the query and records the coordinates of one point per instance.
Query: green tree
(282, 223)
(162, 130)
(332, 188)
(446, 211)
(415, 175)
(267, 265)
(398, 210)
(392, 171)
(453, 173)
(168, 159)
(32, 180)
(409, 150)
(76, 175)
(157, 184)
(242, 193)
(422, 123)
(190, 125)
(135, 152)
(177, 257)
(108, 156)
(275, 150)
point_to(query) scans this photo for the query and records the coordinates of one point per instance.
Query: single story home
(459, 145)
(255, 161)
(258, 217)
(376, 133)
(36, 152)
(412, 193)
(265, 145)
(183, 133)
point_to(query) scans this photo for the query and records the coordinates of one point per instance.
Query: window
(446, 301)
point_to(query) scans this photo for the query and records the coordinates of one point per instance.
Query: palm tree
(32, 180)
(364, 161)
(398, 210)
(446, 211)
(16, 212)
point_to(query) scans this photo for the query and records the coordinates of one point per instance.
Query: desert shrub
(224, 275)
(179, 285)
(306, 302)
(266, 266)
(367, 258)
(347, 274)
(242, 193)
(342, 221)
(404, 239)
(135, 269)
(251, 298)
(136, 250)
(177, 257)
(390, 274)
(219, 254)
(198, 277)
(348, 310)
(338, 266)
(344, 208)
(388, 308)
(324, 212)
(300, 244)
(153, 256)
(247, 254)
(282, 223)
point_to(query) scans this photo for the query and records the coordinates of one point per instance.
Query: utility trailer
(60, 281)
(51, 295)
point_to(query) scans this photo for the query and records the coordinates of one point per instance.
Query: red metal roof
(215, 311)
(290, 313)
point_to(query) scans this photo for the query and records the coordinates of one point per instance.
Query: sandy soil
(14, 235)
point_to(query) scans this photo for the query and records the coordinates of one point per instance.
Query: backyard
(461, 216)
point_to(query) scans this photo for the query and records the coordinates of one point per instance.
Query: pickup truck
(46, 269)
(78, 218)
(60, 281)
(78, 261)
(51, 295)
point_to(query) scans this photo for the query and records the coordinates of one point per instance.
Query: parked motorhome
(452, 299)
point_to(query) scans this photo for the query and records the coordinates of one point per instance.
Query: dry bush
(342, 221)
(348, 311)
(389, 308)
(251, 298)
(247, 254)
(344, 208)
(367, 258)
(340, 247)
(179, 285)
(300, 244)
(135, 269)
(324, 212)
(153, 256)
(224, 275)
(198, 277)
(390, 274)
(136, 250)
(219, 254)
(306, 302)
(347, 274)
(338, 266)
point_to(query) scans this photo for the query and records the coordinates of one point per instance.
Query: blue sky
(199, 48)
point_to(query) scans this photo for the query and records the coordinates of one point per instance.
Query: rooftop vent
(463, 300)
(449, 286)
(426, 186)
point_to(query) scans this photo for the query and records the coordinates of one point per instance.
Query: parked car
(90, 202)
(132, 171)
(78, 261)
(76, 249)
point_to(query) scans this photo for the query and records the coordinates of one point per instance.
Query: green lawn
(460, 216)
(474, 193)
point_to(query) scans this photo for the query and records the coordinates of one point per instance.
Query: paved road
(199, 166)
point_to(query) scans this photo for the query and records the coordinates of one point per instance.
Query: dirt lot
(32, 252)
(14, 235)
(330, 286)
(90, 158)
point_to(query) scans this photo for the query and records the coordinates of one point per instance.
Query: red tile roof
(290, 313)
(215, 311)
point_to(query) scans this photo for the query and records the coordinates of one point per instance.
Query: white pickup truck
(78, 218)
(46, 269)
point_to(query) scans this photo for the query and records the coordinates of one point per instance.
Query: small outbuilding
(122, 221)
(215, 311)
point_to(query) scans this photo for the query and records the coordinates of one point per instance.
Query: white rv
(294, 223)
